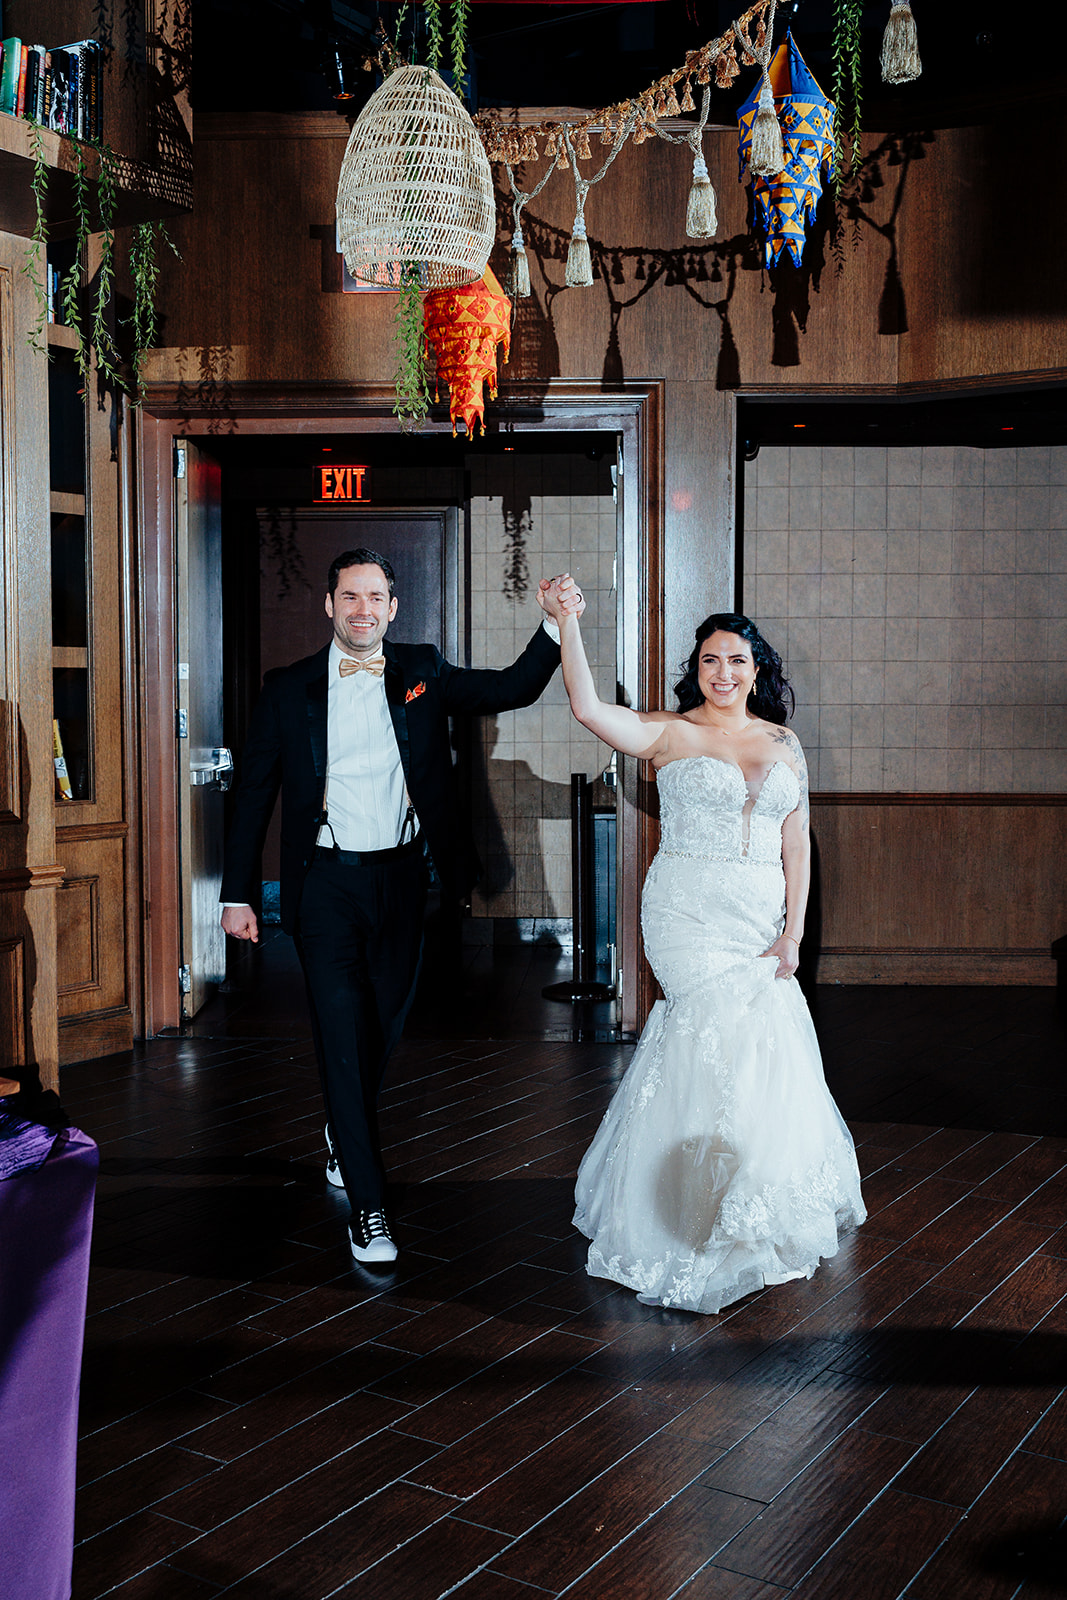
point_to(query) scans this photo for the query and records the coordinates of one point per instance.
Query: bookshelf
(147, 118)
(70, 900)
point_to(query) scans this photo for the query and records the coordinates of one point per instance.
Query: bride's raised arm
(632, 733)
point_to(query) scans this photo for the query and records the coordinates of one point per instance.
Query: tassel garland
(767, 156)
(700, 218)
(900, 45)
(579, 262)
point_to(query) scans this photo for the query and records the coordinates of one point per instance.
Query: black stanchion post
(583, 985)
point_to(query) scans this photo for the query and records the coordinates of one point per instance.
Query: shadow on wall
(536, 799)
(627, 273)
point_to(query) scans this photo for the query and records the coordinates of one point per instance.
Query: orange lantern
(463, 328)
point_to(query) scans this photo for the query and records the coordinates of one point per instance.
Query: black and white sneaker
(370, 1238)
(333, 1169)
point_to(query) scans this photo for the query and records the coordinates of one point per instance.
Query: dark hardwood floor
(260, 1418)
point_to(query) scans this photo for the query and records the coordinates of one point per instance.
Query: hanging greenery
(848, 84)
(460, 19)
(143, 319)
(435, 34)
(95, 208)
(412, 385)
(36, 262)
(107, 195)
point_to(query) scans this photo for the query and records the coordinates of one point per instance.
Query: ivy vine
(143, 319)
(35, 265)
(95, 209)
(460, 19)
(412, 377)
(847, 83)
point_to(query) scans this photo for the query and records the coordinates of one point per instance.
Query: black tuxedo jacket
(286, 748)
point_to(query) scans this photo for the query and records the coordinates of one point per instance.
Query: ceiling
(263, 55)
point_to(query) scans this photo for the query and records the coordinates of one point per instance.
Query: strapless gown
(722, 1163)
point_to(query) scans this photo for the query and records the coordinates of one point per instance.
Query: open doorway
(470, 533)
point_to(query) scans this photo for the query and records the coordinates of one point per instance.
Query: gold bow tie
(350, 664)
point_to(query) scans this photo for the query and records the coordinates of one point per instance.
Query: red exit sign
(342, 485)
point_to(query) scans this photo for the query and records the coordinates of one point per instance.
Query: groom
(356, 736)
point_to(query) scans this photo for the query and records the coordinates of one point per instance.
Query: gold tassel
(550, 145)
(581, 145)
(687, 98)
(766, 156)
(900, 45)
(673, 108)
(661, 105)
(700, 219)
(726, 69)
(703, 74)
(520, 267)
(579, 273)
(562, 163)
(529, 147)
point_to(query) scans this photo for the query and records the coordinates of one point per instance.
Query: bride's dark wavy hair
(771, 697)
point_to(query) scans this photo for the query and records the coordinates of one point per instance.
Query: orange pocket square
(413, 694)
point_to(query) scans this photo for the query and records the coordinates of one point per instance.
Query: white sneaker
(370, 1238)
(333, 1170)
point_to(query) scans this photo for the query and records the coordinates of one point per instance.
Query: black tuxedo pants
(359, 937)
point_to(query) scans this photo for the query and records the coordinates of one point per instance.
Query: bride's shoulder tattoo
(784, 737)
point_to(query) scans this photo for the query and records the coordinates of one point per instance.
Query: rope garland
(579, 264)
(701, 220)
(505, 142)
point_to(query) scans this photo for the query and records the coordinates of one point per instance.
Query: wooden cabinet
(70, 900)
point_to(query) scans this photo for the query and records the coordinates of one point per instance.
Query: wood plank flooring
(262, 1419)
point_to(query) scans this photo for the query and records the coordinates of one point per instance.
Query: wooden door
(203, 765)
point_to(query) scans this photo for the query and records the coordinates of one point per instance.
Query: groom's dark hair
(771, 697)
(359, 558)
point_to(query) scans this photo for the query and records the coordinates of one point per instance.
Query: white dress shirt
(366, 798)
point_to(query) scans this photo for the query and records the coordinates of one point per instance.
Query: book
(63, 788)
(30, 100)
(9, 75)
(39, 65)
(84, 56)
(20, 97)
(60, 102)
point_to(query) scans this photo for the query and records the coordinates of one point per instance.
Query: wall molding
(17, 880)
(870, 797)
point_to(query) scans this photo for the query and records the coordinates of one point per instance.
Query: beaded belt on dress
(698, 855)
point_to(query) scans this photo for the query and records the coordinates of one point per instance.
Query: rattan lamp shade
(415, 187)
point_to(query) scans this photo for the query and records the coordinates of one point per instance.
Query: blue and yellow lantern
(785, 203)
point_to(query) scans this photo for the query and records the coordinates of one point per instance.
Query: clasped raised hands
(560, 597)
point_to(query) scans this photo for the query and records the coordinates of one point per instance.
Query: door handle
(215, 773)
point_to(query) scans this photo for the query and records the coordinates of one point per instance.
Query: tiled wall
(533, 516)
(919, 599)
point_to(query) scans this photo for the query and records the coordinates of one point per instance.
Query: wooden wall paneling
(13, 1019)
(941, 888)
(28, 875)
(976, 247)
(86, 830)
(92, 961)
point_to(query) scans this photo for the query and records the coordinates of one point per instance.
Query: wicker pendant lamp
(415, 190)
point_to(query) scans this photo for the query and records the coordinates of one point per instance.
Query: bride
(722, 1163)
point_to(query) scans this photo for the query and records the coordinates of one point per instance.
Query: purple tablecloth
(46, 1218)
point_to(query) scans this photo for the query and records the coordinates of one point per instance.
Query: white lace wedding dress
(722, 1163)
